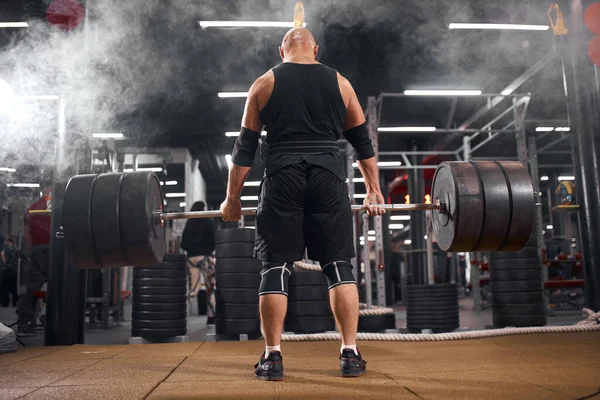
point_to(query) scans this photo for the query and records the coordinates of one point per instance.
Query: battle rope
(591, 323)
(374, 310)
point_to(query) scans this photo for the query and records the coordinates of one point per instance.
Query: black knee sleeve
(274, 278)
(338, 273)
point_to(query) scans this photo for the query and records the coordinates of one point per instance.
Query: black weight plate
(497, 206)
(237, 326)
(320, 308)
(432, 307)
(456, 184)
(531, 253)
(158, 333)
(238, 265)
(449, 288)
(164, 290)
(503, 320)
(142, 298)
(158, 315)
(159, 307)
(234, 250)
(516, 274)
(159, 282)
(518, 298)
(106, 227)
(376, 323)
(158, 324)
(156, 273)
(519, 309)
(171, 259)
(309, 324)
(307, 278)
(304, 293)
(515, 264)
(523, 204)
(429, 319)
(235, 235)
(238, 281)
(436, 328)
(237, 311)
(431, 313)
(237, 296)
(516, 286)
(142, 234)
(77, 225)
(432, 302)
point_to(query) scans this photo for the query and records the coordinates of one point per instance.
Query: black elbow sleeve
(245, 147)
(359, 138)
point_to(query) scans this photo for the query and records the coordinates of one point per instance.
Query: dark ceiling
(153, 73)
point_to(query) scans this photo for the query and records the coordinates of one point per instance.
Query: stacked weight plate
(159, 299)
(308, 303)
(517, 287)
(376, 322)
(432, 307)
(238, 279)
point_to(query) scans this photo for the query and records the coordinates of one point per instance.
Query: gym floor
(541, 366)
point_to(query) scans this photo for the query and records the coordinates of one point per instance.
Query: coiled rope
(374, 310)
(590, 324)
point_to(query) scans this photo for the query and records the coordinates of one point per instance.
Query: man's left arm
(243, 155)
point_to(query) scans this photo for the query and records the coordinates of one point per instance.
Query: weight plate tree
(432, 307)
(308, 303)
(159, 299)
(517, 287)
(238, 280)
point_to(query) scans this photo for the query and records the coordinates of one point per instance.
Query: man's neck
(300, 59)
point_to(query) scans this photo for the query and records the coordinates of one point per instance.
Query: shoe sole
(352, 373)
(269, 377)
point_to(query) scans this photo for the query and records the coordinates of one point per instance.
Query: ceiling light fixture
(400, 218)
(170, 195)
(107, 135)
(442, 92)
(566, 178)
(236, 134)
(407, 241)
(544, 129)
(171, 183)
(182, 204)
(6, 169)
(406, 129)
(359, 196)
(23, 185)
(246, 24)
(249, 198)
(252, 183)
(225, 95)
(517, 27)
(396, 226)
(544, 178)
(229, 162)
(384, 164)
(563, 129)
(150, 169)
(14, 25)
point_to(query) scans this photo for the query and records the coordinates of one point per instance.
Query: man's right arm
(355, 131)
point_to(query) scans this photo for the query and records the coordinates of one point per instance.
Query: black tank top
(305, 110)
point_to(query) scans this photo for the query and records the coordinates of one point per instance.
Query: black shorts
(304, 206)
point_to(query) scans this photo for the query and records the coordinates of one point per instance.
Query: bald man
(305, 107)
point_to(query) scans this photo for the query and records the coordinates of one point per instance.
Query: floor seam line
(537, 385)
(165, 378)
(399, 384)
(33, 391)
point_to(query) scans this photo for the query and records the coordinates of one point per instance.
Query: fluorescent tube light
(566, 178)
(371, 232)
(544, 129)
(407, 241)
(225, 95)
(171, 195)
(182, 204)
(371, 238)
(107, 135)
(434, 92)
(249, 198)
(6, 169)
(563, 129)
(150, 169)
(407, 129)
(236, 134)
(228, 159)
(384, 164)
(171, 183)
(360, 196)
(396, 226)
(544, 178)
(549, 227)
(247, 24)
(128, 170)
(400, 218)
(14, 25)
(517, 27)
(23, 185)
(252, 183)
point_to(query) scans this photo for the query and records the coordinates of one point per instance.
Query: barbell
(117, 219)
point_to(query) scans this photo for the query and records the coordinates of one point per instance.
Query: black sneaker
(25, 330)
(352, 365)
(271, 368)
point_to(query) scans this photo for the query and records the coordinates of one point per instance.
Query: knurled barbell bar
(117, 219)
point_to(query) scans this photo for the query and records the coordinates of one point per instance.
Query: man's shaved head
(299, 41)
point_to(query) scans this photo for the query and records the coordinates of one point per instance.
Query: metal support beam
(535, 178)
(367, 262)
(372, 124)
